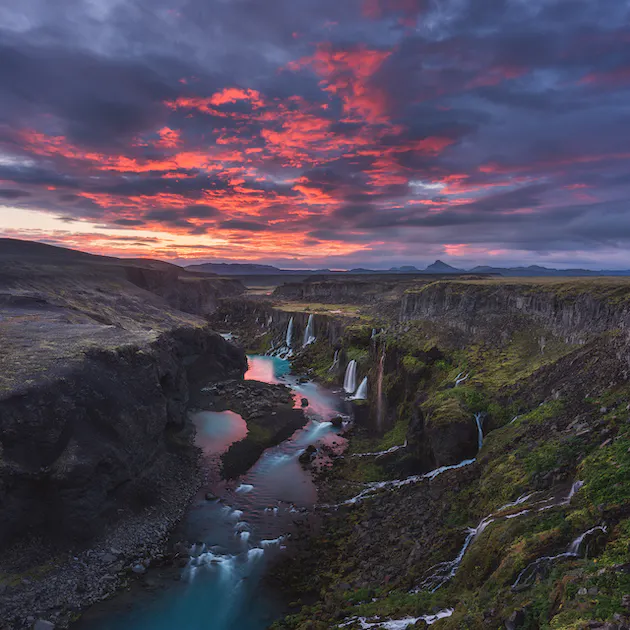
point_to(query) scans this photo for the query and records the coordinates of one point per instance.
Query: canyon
(480, 477)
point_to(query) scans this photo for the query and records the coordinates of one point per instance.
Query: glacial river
(221, 587)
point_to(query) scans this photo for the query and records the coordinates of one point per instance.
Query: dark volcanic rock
(98, 436)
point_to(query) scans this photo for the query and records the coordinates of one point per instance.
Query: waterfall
(375, 486)
(459, 379)
(309, 333)
(335, 362)
(362, 390)
(289, 333)
(528, 574)
(441, 573)
(479, 423)
(350, 379)
(574, 547)
(373, 333)
(379, 390)
(398, 624)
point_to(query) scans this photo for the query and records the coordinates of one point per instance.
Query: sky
(312, 133)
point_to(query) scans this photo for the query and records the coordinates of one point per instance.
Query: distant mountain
(536, 271)
(405, 269)
(441, 267)
(229, 269)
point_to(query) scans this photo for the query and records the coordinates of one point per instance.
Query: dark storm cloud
(11, 194)
(492, 122)
(98, 100)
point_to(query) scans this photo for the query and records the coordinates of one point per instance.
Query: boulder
(307, 456)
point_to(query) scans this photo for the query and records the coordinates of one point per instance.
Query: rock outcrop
(571, 309)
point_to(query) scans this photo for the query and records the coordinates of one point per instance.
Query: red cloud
(346, 73)
(209, 105)
(169, 138)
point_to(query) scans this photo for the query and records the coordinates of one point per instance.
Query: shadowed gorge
(448, 450)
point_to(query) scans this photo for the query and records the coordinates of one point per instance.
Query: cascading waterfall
(443, 572)
(361, 393)
(373, 487)
(350, 379)
(528, 574)
(289, 335)
(379, 390)
(309, 332)
(335, 363)
(459, 379)
(392, 449)
(479, 423)
(373, 333)
(398, 624)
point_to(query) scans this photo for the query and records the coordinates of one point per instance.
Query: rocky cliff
(367, 289)
(96, 362)
(98, 358)
(571, 309)
(97, 438)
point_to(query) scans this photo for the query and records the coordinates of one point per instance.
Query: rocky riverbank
(97, 461)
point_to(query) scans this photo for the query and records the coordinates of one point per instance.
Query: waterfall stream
(528, 574)
(362, 390)
(350, 378)
(289, 335)
(335, 363)
(443, 572)
(479, 423)
(309, 331)
(398, 624)
(379, 390)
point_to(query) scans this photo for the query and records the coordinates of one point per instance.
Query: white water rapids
(397, 624)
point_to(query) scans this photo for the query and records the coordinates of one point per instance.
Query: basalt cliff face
(263, 325)
(99, 438)
(97, 360)
(571, 310)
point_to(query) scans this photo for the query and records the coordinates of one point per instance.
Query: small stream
(238, 534)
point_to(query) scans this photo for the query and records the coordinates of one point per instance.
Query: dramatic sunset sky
(319, 132)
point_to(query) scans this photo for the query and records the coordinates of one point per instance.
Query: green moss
(606, 474)
(413, 365)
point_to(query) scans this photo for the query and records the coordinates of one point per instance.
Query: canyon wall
(100, 438)
(570, 309)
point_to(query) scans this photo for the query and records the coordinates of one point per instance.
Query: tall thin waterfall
(289, 333)
(479, 423)
(379, 390)
(309, 333)
(350, 379)
(335, 362)
(361, 390)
